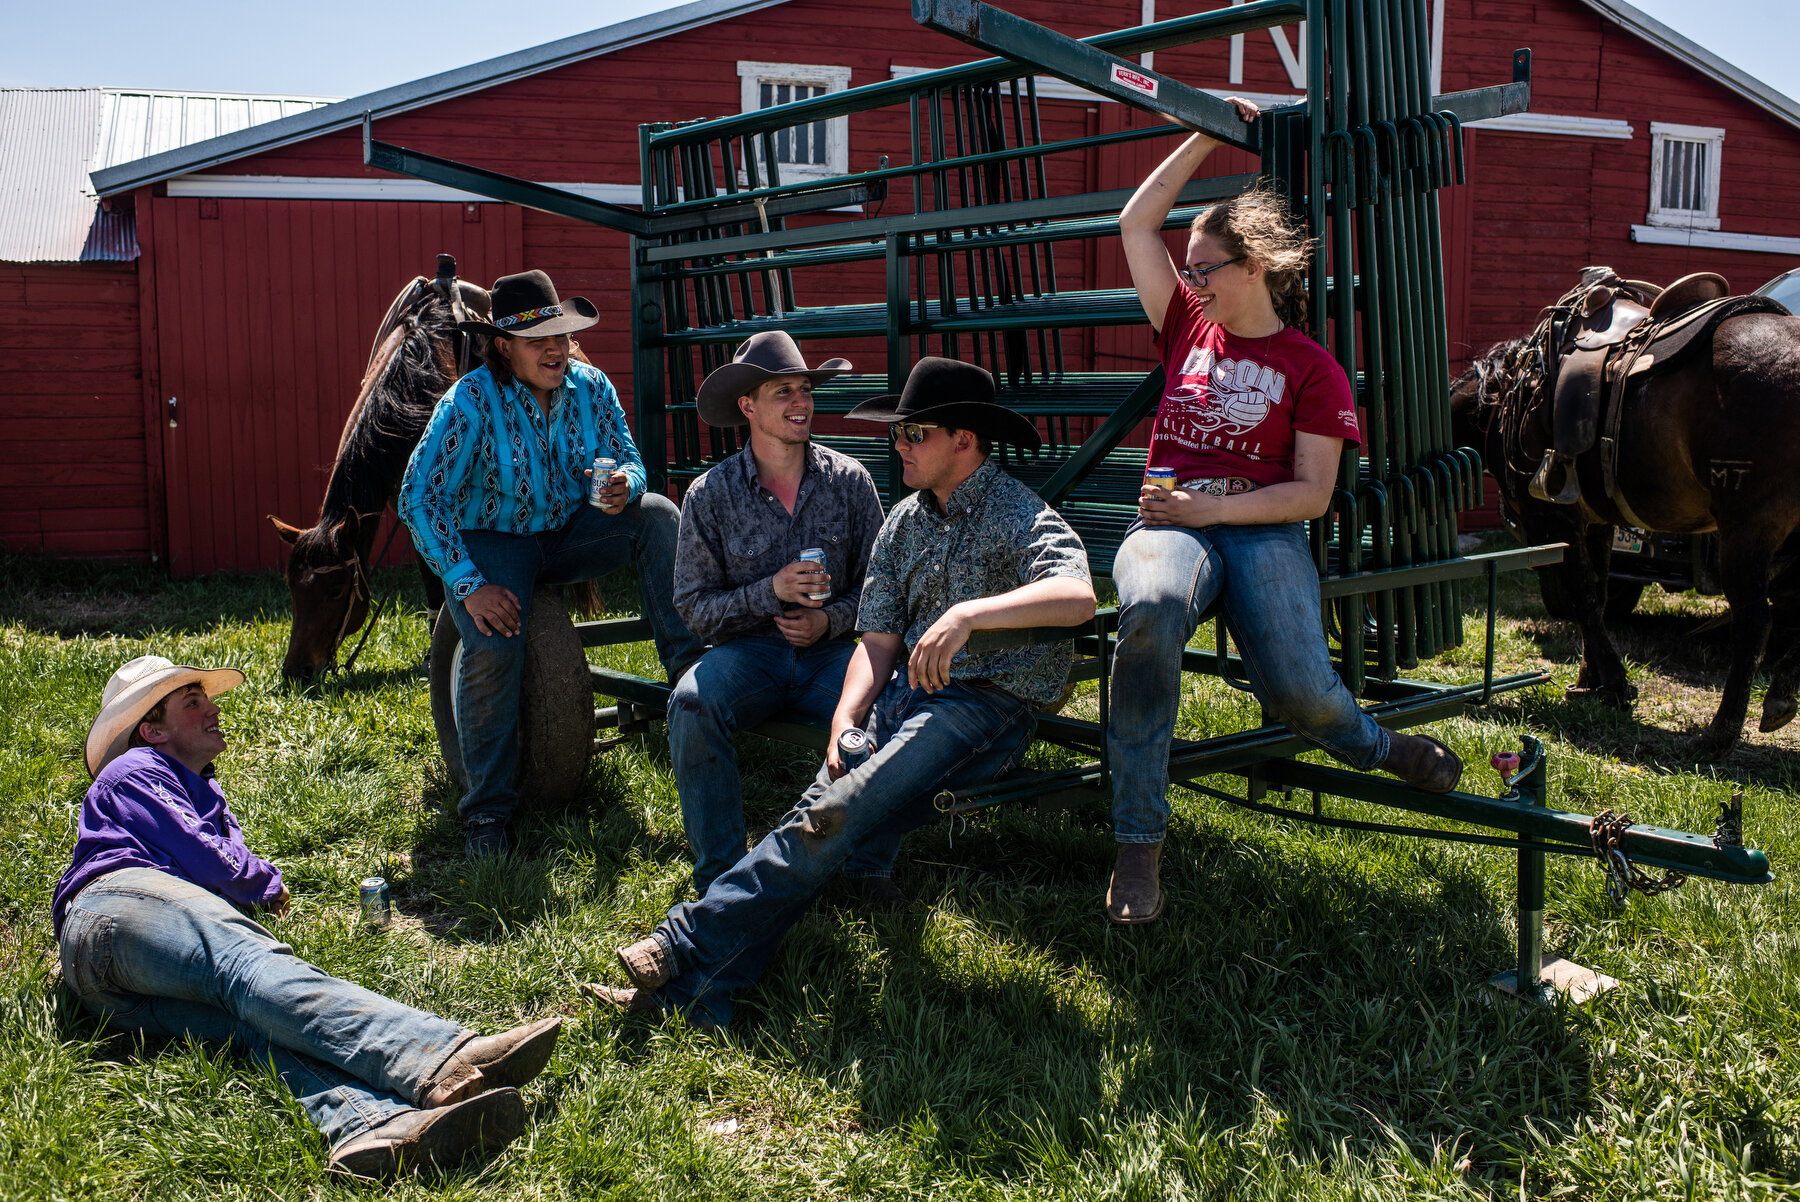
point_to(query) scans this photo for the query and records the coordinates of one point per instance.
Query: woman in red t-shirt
(1253, 420)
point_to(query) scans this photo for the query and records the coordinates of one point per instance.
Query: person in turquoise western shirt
(496, 497)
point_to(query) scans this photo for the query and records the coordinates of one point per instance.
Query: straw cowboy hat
(134, 691)
(766, 356)
(526, 306)
(946, 392)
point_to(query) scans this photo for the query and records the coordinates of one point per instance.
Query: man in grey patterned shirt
(740, 585)
(973, 549)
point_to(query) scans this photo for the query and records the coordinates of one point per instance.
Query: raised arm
(1141, 221)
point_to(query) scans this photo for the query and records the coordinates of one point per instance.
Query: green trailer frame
(968, 265)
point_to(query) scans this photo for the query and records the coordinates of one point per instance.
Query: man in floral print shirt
(496, 499)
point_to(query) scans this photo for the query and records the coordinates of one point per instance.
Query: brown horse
(414, 360)
(1706, 443)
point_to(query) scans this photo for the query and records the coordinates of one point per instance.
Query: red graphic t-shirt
(1231, 405)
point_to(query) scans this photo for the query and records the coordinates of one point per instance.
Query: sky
(348, 47)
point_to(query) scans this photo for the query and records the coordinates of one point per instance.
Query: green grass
(1310, 1019)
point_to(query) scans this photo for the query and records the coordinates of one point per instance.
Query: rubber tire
(556, 704)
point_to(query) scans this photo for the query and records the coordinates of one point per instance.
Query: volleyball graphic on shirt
(1228, 397)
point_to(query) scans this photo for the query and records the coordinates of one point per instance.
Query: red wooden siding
(72, 475)
(264, 318)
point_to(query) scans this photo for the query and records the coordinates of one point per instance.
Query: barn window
(815, 149)
(1684, 175)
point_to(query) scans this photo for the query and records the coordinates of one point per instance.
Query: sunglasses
(1196, 276)
(914, 432)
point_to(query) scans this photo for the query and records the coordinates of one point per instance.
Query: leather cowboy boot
(1422, 761)
(443, 1137)
(647, 962)
(510, 1058)
(1135, 893)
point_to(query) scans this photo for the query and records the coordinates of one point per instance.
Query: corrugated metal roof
(420, 92)
(137, 125)
(52, 138)
(46, 150)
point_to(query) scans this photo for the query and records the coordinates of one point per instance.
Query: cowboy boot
(510, 1058)
(648, 963)
(1134, 894)
(1423, 762)
(417, 1138)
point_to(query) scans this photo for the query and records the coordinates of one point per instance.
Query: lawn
(1310, 1019)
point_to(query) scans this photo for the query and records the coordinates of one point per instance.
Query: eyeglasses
(914, 431)
(1196, 276)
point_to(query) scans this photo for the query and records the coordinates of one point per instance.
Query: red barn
(268, 254)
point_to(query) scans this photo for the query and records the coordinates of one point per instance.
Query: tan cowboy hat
(766, 356)
(134, 691)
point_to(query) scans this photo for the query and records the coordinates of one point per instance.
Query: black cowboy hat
(764, 357)
(525, 306)
(944, 392)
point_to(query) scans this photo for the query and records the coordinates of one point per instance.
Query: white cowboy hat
(134, 691)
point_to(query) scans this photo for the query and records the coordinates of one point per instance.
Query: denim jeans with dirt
(150, 952)
(1167, 577)
(591, 544)
(735, 686)
(959, 737)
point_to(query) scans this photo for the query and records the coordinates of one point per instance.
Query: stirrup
(1568, 491)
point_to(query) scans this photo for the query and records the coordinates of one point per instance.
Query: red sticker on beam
(1125, 77)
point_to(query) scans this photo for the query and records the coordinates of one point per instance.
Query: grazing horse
(1705, 439)
(414, 360)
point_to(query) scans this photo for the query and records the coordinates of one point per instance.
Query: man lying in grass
(152, 939)
(972, 549)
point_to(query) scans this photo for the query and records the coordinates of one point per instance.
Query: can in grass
(1160, 477)
(853, 748)
(603, 470)
(376, 909)
(816, 555)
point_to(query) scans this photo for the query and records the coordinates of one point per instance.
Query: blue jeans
(960, 737)
(1167, 576)
(487, 688)
(151, 952)
(734, 686)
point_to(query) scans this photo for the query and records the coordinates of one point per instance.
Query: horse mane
(410, 367)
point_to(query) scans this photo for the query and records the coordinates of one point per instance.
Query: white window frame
(1692, 219)
(753, 76)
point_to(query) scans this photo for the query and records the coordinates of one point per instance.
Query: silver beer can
(1160, 477)
(816, 555)
(376, 908)
(603, 470)
(853, 748)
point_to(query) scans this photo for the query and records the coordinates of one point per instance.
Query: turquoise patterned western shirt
(997, 536)
(491, 460)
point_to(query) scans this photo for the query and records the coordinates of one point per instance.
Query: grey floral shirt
(997, 536)
(735, 535)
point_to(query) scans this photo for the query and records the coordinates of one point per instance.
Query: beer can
(816, 555)
(1160, 477)
(376, 909)
(603, 470)
(853, 748)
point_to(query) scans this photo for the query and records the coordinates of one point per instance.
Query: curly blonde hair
(1258, 224)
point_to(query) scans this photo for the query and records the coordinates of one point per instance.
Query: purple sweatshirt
(146, 810)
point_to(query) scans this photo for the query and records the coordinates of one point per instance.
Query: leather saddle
(1606, 331)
